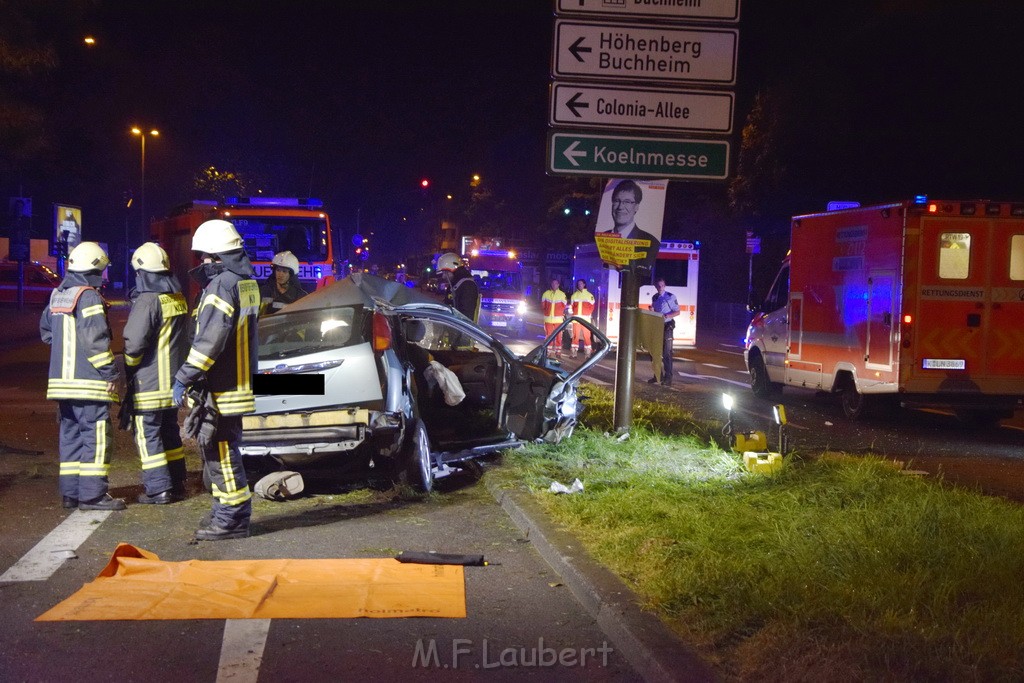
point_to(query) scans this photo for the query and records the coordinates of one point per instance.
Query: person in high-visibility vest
(582, 306)
(552, 305)
(82, 379)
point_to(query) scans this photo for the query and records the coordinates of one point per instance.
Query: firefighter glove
(179, 393)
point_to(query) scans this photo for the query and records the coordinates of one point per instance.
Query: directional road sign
(657, 109)
(637, 52)
(619, 156)
(685, 10)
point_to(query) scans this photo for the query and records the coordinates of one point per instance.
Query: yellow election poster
(629, 222)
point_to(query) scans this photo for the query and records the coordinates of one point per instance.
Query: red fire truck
(499, 275)
(267, 225)
(915, 303)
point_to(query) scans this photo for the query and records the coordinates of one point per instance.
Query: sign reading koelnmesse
(618, 156)
(699, 10)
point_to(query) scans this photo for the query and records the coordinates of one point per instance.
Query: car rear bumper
(322, 432)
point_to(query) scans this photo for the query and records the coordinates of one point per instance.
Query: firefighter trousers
(158, 439)
(222, 467)
(85, 441)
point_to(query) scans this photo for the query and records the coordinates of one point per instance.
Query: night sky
(356, 101)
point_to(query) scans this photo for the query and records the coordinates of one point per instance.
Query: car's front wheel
(415, 468)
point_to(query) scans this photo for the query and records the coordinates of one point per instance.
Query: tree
(212, 183)
(578, 195)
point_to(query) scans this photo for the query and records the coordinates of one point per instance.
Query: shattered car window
(285, 335)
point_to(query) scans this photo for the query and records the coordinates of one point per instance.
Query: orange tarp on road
(137, 585)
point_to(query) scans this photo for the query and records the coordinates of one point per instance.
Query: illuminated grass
(837, 569)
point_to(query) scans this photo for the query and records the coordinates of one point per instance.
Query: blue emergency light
(921, 199)
(306, 202)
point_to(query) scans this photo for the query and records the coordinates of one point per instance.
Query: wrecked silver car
(367, 373)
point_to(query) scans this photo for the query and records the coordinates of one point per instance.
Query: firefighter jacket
(74, 324)
(552, 305)
(273, 300)
(465, 293)
(582, 303)
(225, 345)
(155, 341)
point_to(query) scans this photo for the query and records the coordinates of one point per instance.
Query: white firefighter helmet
(152, 258)
(448, 262)
(286, 259)
(86, 257)
(216, 237)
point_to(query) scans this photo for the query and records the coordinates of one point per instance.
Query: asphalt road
(518, 607)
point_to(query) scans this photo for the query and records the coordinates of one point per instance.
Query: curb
(653, 651)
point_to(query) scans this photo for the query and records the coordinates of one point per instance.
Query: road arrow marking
(571, 153)
(575, 105)
(576, 48)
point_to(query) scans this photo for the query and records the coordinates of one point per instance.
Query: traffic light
(425, 183)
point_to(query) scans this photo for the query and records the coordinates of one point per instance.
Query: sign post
(659, 90)
(624, 358)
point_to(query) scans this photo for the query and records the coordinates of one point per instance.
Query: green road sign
(620, 156)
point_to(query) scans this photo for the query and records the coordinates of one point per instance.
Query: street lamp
(142, 189)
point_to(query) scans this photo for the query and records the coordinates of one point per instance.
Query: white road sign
(696, 10)
(660, 109)
(638, 52)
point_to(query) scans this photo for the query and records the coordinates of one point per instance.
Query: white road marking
(720, 379)
(733, 353)
(685, 360)
(717, 367)
(39, 563)
(241, 650)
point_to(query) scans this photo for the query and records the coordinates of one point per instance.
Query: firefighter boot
(104, 503)
(212, 532)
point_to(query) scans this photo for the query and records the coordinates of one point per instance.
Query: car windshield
(286, 335)
(498, 280)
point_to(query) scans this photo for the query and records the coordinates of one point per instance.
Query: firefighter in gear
(223, 358)
(552, 305)
(82, 379)
(282, 287)
(154, 347)
(582, 306)
(463, 290)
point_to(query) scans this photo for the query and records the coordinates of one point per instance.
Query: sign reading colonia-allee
(656, 109)
(637, 157)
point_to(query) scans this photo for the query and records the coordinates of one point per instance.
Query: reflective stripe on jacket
(155, 347)
(75, 326)
(582, 304)
(224, 348)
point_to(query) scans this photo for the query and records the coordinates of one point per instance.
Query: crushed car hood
(360, 288)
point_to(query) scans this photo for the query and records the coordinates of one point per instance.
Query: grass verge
(838, 568)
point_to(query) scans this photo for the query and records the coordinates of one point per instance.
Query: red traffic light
(424, 183)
